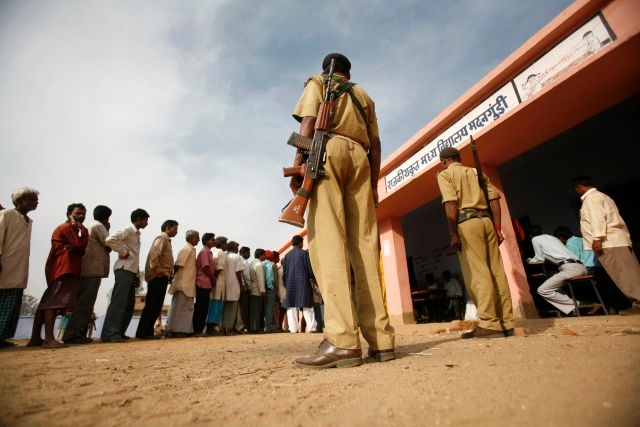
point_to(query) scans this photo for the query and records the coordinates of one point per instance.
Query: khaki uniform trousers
(484, 274)
(343, 232)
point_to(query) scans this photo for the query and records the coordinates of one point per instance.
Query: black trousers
(317, 310)
(269, 310)
(256, 323)
(156, 291)
(123, 298)
(201, 309)
(243, 308)
(85, 300)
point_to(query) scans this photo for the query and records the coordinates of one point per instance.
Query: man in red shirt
(62, 271)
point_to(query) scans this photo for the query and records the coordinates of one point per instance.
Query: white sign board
(580, 45)
(569, 53)
(490, 110)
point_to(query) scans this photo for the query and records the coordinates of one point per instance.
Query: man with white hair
(15, 243)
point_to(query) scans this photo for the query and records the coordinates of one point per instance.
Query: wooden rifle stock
(481, 182)
(293, 213)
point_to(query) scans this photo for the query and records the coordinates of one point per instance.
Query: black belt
(569, 261)
(469, 213)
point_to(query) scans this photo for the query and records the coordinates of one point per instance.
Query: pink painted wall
(396, 273)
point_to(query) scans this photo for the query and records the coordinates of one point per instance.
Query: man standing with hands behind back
(604, 231)
(126, 244)
(157, 272)
(342, 226)
(476, 238)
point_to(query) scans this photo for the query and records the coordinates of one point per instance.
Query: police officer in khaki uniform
(476, 239)
(342, 226)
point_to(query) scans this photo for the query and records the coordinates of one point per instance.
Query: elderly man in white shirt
(605, 232)
(126, 244)
(549, 248)
(15, 246)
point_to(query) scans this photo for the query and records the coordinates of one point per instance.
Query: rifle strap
(346, 87)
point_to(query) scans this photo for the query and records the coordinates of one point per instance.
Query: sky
(183, 108)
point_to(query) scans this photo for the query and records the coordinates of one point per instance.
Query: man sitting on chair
(549, 248)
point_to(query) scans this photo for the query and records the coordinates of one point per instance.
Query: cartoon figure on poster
(576, 48)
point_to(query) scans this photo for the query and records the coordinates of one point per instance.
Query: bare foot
(35, 342)
(53, 344)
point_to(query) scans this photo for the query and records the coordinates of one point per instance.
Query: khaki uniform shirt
(347, 120)
(459, 183)
(185, 278)
(15, 246)
(600, 219)
(160, 258)
(95, 261)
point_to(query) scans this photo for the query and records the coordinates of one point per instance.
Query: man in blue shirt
(575, 245)
(270, 297)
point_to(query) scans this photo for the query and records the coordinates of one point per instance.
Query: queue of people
(216, 291)
(219, 291)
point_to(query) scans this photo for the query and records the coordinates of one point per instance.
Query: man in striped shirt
(604, 231)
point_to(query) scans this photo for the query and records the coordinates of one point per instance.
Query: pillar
(396, 273)
(523, 305)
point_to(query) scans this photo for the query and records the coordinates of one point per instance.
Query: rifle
(312, 169)
(481, 182)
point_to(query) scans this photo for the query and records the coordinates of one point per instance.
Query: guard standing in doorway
(476, 238)
(342, 226)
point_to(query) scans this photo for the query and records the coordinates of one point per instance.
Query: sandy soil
(565, 372)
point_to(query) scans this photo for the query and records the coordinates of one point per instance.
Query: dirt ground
(565, 372)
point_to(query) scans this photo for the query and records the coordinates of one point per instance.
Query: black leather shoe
(329, 356)
(78, 340)
(483, 333)
(148, 337)
(382, 355)
(113, 340)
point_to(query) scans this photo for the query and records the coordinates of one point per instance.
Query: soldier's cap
(448, 152)
(342, 63)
